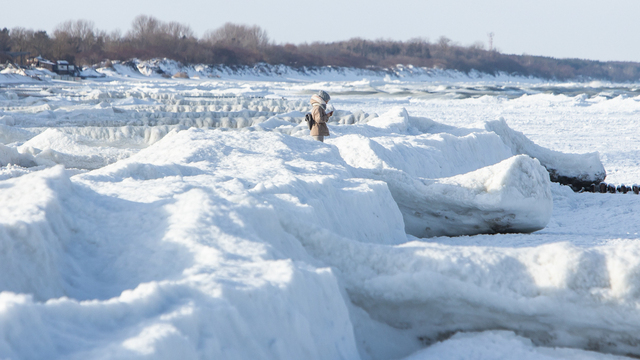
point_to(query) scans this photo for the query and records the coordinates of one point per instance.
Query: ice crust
(133, 227)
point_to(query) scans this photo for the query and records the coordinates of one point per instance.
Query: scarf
(318, 101)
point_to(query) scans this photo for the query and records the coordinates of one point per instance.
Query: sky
(587, 29)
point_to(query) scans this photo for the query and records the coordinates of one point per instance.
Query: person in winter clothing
(320, 116)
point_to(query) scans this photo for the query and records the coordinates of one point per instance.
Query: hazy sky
(601, 30)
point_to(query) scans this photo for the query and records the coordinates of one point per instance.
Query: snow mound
(9, 155)
(98, 245)
(511, 196)
(450, 185)
(555, 294)
(53, 146)
(30, 227)
(89, 72)
(577, 170)
(396, 120)
(12, 77)
(490, 345)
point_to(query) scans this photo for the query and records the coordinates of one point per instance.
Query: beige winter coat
(320, 117)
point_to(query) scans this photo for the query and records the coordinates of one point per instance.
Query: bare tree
(444, 42)
(417, 47)
(5, 44)
(238, 35)
(150, 37)
(65, 46)
(144, 28)
(41, 43)
(5, 40)
(20, 38)
(82, 32)
(177, 31)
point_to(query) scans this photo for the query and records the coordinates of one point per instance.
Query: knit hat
(323, 94)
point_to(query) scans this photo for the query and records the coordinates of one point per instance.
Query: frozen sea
(152, 218)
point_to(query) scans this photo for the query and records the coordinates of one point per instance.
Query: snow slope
(176, 220)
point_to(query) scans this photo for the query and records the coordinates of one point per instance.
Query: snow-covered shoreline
(171, 69)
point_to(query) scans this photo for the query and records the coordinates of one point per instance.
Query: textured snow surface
(195, 218)
(499, 345)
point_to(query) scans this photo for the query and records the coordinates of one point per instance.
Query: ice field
(143, 217)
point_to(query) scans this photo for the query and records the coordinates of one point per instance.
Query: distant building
(42, 63)
(60, 67)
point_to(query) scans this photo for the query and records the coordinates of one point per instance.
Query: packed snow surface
(145, 217)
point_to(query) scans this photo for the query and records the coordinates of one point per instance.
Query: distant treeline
(80, 42)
